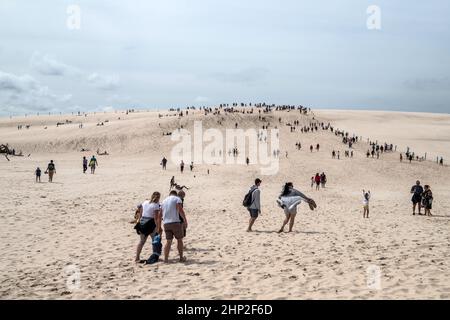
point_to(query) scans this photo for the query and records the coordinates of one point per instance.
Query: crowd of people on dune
(156, 217)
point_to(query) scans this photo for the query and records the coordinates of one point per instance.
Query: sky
(68, 56)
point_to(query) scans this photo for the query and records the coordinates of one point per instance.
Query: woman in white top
(289, 199)
(149, 215)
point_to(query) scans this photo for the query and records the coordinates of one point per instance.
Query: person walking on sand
(85, 164)
(38, 174)
(181, 194)
(416, 199)
(172, 210)
(288, 200)
(182, 166)
(93, 164)
(164, 163)
(252, 201)
(323, 179)
(427, 201)
(366, 198)
(51, 170)
(149, 222)
(317, 180)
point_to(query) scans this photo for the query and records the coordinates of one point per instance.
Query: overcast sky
(168, 53)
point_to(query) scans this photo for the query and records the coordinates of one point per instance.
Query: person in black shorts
(416, 199)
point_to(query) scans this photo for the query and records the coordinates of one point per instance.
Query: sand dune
(83, 220)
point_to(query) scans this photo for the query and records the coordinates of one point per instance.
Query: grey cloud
(46, 65)
(103, 82)
(24, 93)
(11, 82)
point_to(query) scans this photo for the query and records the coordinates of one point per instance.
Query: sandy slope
(83, 220)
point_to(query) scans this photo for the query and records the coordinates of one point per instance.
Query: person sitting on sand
(38, 174)
(149, 222)
(366, 198)
(427, 200)
(93, 163)
(171, 211)
(416, 199)
(51, 170)
(288, 200)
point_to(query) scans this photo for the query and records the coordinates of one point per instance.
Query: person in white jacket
(288, 200)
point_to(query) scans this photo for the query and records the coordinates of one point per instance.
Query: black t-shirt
(418, 190)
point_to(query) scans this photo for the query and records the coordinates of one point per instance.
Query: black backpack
(248, 198)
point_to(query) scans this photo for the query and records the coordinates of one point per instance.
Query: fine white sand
(83, 220)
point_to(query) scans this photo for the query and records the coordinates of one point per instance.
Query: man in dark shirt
(416, 199)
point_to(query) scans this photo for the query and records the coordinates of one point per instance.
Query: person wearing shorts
(51, 170)
(416, 199)
(291, 212)
(255, 207)
(172, 210)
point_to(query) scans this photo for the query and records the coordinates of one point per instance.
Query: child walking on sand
(366, 197)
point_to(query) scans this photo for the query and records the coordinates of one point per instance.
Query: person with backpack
(93, 163)
(252, 201)
(51, 170)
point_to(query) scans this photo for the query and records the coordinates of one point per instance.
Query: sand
(82, 221)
